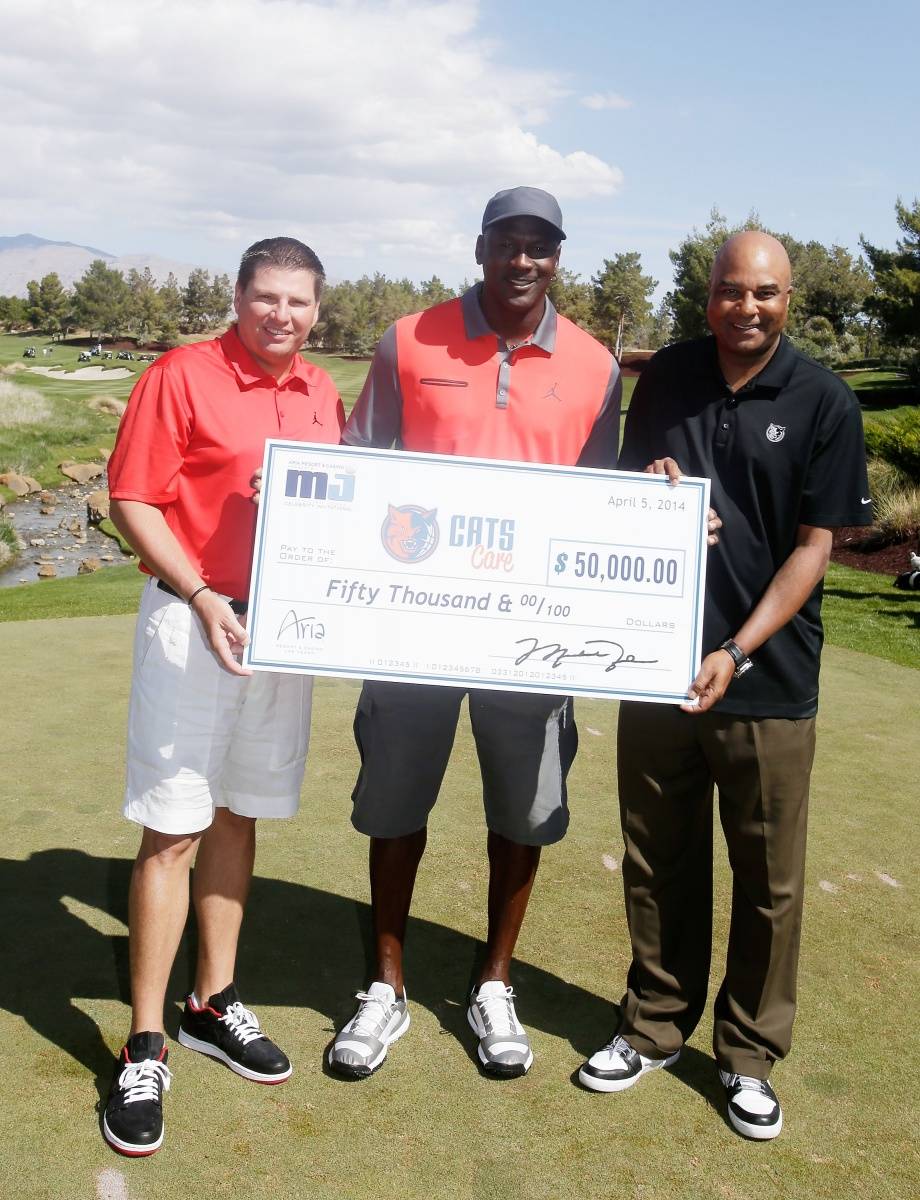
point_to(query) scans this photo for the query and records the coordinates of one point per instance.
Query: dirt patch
(853, 547)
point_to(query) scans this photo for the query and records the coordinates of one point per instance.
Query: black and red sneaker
(133, 1119)
(226, 1030)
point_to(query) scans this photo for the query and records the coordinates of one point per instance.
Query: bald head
(748, 305)
(753, 248)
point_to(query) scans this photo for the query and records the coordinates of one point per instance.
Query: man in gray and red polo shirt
(495, 374)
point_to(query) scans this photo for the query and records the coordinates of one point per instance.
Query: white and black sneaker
(753, 1108)
(228, 1031)
(360, 1046)
(618, 1066)
(504, 1047)
(132, 1122)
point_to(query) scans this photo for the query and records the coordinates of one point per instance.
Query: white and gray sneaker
(360, 1046)
(618, 1066)
(504, 1047)
(753, 1108)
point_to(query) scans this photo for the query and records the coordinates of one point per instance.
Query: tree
(196, 301)
(101, 299)
(896, 301)
(13, 313)
(659, 329)
(48, 305)
(144, 306)
(829, 283)
(622, 299)
(169, 299)
(432, 291)
(573, 297)
(693, 261)
(220, 300)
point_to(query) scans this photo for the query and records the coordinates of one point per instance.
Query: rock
(18, 484)
(107, 557)
(5, 554)
(48, 510)
(47, 497)
(97, 506)
(36, 541)
(47, 571)
(88, 566)
(81, 472)
(75, 525)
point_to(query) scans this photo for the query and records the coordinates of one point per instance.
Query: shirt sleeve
(836, 488)
(376, 419)
(152, 438)
(637, 451)
(600, 450)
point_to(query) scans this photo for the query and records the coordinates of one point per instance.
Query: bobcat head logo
(410, 533)
(775, 433)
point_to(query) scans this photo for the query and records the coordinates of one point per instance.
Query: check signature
(556, 654)
(301, 627)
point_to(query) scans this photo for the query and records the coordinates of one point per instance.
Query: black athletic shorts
(405, 732)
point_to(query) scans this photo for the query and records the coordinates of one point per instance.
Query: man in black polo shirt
(781, 440)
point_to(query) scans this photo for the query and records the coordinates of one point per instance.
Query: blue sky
(377, 130)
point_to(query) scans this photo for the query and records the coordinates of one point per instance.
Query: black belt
(240, 607)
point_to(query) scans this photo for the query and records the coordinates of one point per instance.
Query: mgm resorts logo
(318, 485)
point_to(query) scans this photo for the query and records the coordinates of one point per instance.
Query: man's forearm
(789, 588)
(144, 526)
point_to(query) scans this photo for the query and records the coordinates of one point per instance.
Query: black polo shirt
(785, 450)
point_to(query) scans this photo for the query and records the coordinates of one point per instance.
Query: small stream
(56, 520)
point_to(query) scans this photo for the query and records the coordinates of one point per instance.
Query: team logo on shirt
(775, 433)
(410, 533)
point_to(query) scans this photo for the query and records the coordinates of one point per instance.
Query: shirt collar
(774, 376)
(476, 325)
(249, 372)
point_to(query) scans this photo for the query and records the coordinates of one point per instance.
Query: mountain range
(26, 257)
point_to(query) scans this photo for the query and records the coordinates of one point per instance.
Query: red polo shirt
(444, 382)
(192, 435)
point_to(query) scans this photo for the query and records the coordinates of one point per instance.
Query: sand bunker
(89, 374)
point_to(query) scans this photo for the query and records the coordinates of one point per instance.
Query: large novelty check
(383, 564)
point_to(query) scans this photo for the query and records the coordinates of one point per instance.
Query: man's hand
(665, 466)
(256, 484)
(711, 684)
(670, 467)
(226, 636)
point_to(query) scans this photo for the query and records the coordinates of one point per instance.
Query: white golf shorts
(200, 738)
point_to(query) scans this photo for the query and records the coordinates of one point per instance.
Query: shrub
(897, 440)
(895, 502)
(9, 543)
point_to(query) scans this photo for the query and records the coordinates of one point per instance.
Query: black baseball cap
(524, 202)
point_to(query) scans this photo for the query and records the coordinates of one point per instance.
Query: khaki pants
(667, 765)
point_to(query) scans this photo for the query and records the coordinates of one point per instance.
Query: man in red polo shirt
(495, 374)
(211, 747)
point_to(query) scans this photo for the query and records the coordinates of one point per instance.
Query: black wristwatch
(739, 658)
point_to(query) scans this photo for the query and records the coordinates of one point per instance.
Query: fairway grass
(428, 1126)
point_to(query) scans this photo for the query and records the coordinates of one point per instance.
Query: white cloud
(353, 123)
(602, 101)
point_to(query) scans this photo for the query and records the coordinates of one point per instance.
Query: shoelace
(748, 1084)
(618, 1045)
(371, 1015)
(498, 1013)
(242, 1023)
(139, 1081)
